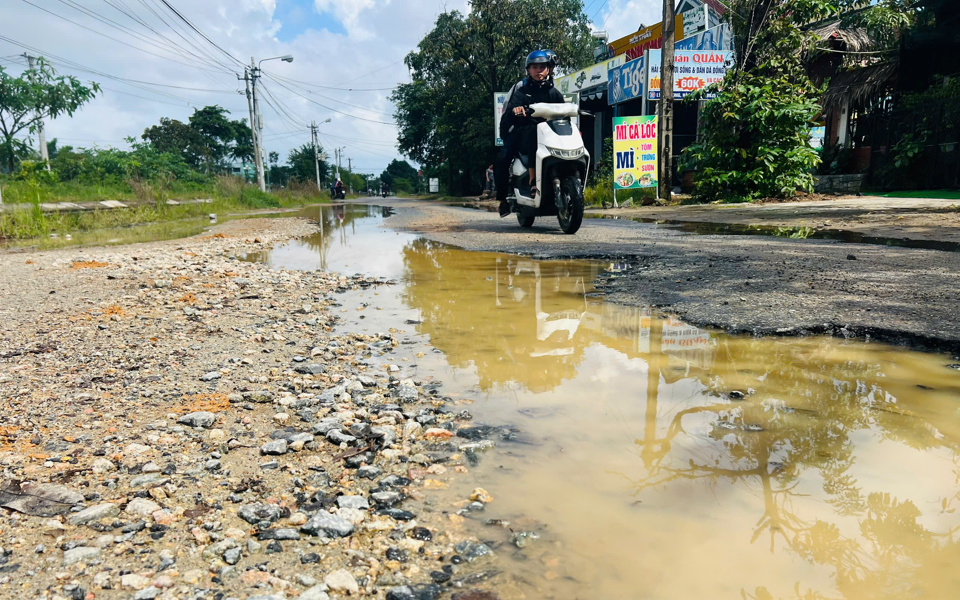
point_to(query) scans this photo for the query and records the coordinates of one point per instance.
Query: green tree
(176, 137)
(399, 169)
(216, 131)
(38, 93)
(754, 138)
(302, 163)
(444, 114)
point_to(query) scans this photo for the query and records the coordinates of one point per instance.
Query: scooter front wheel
(570, 215)
(526, 221)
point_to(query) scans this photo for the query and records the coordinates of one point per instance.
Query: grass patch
(601, 195)
(934, 194)
(26, 221)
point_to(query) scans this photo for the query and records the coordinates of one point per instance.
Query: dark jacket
(524, 93)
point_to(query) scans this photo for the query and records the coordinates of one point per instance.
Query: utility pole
(250, 78)
(258, 125)
(665, 108)
(316, 152)
(350, 170)
(41, 135)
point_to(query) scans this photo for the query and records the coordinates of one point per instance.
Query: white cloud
(627, 16)
(243, 28)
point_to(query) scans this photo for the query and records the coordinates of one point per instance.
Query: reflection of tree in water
(488, 316)
(808, 403)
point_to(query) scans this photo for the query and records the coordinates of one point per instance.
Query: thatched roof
(854, 39)
(860, 84)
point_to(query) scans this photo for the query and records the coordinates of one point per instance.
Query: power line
(288, 88)
(193, 65)
(203, 35)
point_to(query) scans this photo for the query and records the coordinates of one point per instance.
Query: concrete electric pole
(41, 135)
(350, 170)
(665, 108)
(250, 76)
(316, 151)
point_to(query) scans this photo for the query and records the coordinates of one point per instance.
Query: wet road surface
(633, 455)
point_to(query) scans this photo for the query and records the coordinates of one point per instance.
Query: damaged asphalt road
(743, 284)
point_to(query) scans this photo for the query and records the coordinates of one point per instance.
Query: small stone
(342, 581)
(310, 369)
(317, 592)
(481, 495)
(254, 513)
(141, 507)
(358, 502)
(281, 533)
(435, 434)
(472, 551)
(83, 554)
(94, 513)
(327, 524)
(147, 593)
(232, 556)
(102, 465)
(202, 419)
(274, 448)
(310, 558)
(338, 437)
(211, 376)
(388, 498)
(134, 581)
(281, 418)
(369, 472)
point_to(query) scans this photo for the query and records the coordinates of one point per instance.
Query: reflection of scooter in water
(340, 211)
(559, 327)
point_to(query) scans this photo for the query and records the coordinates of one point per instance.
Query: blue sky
(298, 16)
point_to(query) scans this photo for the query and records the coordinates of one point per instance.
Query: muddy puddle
(638, 457)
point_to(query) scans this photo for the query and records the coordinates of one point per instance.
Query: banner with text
(693, 70)
(634, 152)
(626, 82)
(499, 101)
(634, 45)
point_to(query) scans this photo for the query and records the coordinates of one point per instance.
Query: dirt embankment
(178, 423)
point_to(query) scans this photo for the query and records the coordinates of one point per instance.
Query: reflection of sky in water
(650, 481)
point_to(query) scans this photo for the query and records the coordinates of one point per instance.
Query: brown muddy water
(653, 459)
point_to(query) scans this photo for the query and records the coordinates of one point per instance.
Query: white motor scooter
(562, 164)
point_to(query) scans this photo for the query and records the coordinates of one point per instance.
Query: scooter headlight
(567, 154)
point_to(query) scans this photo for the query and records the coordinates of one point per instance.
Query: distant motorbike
(562, 163)
(338, 194)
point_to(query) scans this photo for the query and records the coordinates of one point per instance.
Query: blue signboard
(627, 81)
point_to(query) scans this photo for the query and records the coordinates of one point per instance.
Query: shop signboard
(817, 135)
(694, 21)
(634, 45)
(434, 185)
(627, 81)
(717, 38)
(634, 152)
(592, 76)
(693, 70)
(499, 101)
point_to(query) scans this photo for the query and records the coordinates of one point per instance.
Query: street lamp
(284, 58)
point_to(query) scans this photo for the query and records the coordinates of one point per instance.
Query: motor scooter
(562, 163)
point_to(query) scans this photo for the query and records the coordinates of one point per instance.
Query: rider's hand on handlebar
(520, 111)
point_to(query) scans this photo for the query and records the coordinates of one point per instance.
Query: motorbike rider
(338, 188)
(518, 129)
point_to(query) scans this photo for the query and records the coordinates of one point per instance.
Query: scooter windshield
(561, 127)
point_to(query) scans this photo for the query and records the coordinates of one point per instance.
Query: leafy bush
(754, 139)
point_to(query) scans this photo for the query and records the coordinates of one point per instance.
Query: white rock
(141, 507)
(342, 581)
(315, 593)
(102, 465)
(134, 581)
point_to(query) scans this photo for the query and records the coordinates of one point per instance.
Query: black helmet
(541, 56)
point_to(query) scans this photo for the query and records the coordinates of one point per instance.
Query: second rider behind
(518, 130)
